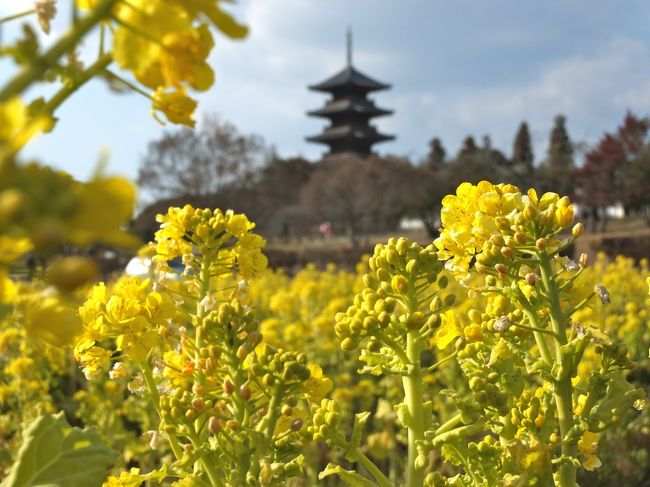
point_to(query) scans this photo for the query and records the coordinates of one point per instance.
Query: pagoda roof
(347, 105)
(349, 77)
(350, 132)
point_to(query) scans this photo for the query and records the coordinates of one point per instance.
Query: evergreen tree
(556, 172)
(437, 153)
(469, 148)
(523, 157)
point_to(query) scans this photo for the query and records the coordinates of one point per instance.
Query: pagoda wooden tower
(350, 111)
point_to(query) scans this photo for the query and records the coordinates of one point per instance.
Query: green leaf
(360, 420)
(55, 454)
(403, 415)
(350, 477)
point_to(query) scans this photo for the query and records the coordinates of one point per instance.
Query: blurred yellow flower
(175, 105)
(53, 321)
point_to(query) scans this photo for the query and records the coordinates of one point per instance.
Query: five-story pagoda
(349, 111)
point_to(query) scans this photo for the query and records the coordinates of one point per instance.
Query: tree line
(217, 166)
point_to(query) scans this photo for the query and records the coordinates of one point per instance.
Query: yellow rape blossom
(588, 446)
(86, 4)
(103, 205)
(175, 105)
(449, 330)
(468, 220)
(13, 248)
(317, 386)
(94, 361)
(52, 320)
(17, 128)
(130, 316)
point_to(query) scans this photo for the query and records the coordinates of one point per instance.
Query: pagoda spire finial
(349, 47)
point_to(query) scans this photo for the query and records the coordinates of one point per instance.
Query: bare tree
(201, 162)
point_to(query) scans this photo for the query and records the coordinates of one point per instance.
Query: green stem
(17, 16)
(433, 367)
(268, 424)
(128, 84)
(466, 464)
(200, 315)
(358, 456)
(449, 424)
(563, 387)
(414, 400)
(540, 339)
(455, 433)
(394, 346)
(215, 481)
(82, 78)
(534, 329)
(155, 398)
(35, 71)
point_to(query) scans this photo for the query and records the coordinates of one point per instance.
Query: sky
(456, 68)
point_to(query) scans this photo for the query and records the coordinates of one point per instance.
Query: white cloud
(593, 91)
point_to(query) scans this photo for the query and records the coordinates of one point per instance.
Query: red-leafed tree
(605, 177)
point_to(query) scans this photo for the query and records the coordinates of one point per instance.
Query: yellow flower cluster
(127, 318)
(627, 316)
(476, 213)
(165, 44)
(225, 238)
(298, 312)
(41, 208)
(17, 127)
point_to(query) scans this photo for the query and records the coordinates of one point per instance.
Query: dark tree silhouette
(523, 158)
(201, 162)
(437, 154)
(555, 173)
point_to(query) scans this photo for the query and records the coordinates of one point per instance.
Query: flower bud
(480, 268)
(13, 204)
(501, 324)
(449, 300)
(602, 294)
(583, 261)
(348, 345)
(434, 321)
(541, 244)
(68, 273)
(530, 212)
(474, 315)
(412, 266)
(502, 223)
(436, 304)
(402, 245)
(443, 282)
(415, 321)
(497, 240)
(399, 284)
(520, 238)
(507, 252)
(245, 392)
(577, 229)
(531, 278)
(501, 268)
(392, 257)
